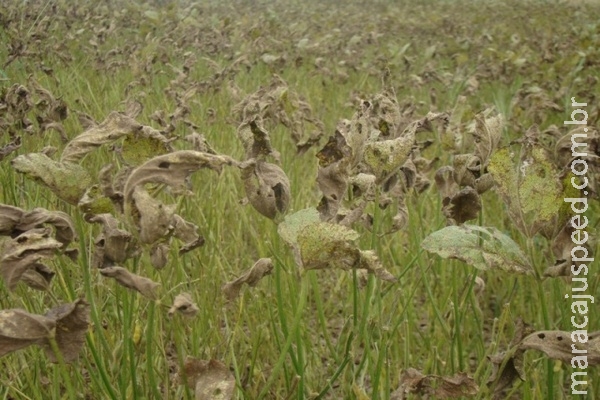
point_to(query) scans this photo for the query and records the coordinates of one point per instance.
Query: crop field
(292, 199)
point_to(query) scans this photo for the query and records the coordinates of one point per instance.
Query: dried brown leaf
(19, 329)
(463, 206)
(145, 286)
(10, 147)
(14, 221)
(72, 322)
(24, 252)
(172, 169)
(267, 188)
(185, 305)
(251, 277)
(114, 127)
(113, 245)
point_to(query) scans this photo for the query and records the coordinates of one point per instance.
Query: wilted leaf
(159, 255)
(24, 252)
(114, 127)
(187, 232)
(38, 277)
(172, 169)
(463, 206)
(113, 245)
(488, 132)
(256, 141)
(68, 181)
(211, 380)
(10, 147)
(184, 304)
(152, 218)
(439, 387)
(66, 324)
(251, 277)
(14, 221)
(267, 188)
(481, 247)
(19, 329)
(145, 286)
(72, 321)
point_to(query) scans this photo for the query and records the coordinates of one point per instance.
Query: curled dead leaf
(172, 169)
(251, 277)
(114, 127)
(267, 188)
(24, 252)
(113, 245)
(14, 221)
(66, 324)
(184, 304)
(147, 287)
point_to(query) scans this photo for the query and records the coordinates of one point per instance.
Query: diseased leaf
(323, 243)
(94, 202)
(482, 247)
(68, 181)
(318, 245)
(184, 305)
(147, 287)
(251, 277)
(385, 158)
(559, 345)
(530, 187)
(144, 144)
(292, 224)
